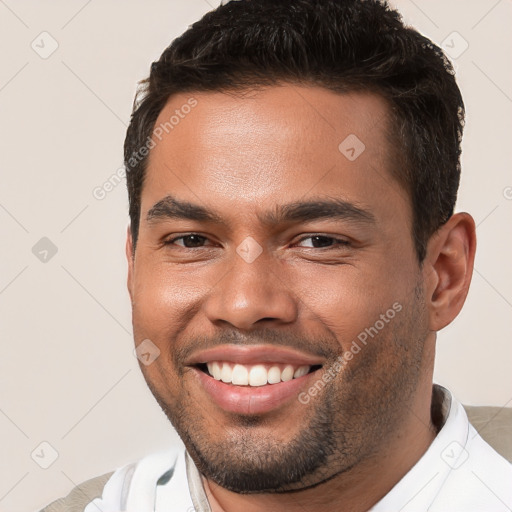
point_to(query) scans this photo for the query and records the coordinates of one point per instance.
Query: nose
(250, 295)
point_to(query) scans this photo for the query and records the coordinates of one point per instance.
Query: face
(276, 273)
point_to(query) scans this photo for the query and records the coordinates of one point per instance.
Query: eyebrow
(299, 211)
(171, 208)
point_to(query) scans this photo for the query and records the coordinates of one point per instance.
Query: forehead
(254, 148)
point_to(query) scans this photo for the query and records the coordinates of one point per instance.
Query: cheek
(159, 313)
(162, 301)
(345, 299)
(160, 286)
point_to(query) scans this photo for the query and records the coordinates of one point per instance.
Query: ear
(448, 269)
(130, 257)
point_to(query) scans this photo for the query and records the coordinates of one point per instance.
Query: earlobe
(451, 256)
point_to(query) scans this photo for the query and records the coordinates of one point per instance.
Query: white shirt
(459, 472)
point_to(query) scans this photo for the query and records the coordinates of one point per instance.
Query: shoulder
(80, 496)
(494, 425)
(113, 490)
(479, 478)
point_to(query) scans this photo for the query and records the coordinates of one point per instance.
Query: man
(292, 171)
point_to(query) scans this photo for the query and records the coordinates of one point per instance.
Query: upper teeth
(254, 375)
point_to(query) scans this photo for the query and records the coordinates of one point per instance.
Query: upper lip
(254, 354)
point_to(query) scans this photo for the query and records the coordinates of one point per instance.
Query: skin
(241, 156)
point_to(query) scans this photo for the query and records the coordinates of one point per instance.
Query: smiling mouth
(255, 375)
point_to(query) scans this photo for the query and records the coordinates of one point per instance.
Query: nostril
(266, 319)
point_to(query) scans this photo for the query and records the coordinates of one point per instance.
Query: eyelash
(337, 241)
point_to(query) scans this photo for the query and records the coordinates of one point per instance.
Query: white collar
(445, 478)
(419, 486)
(418, 489)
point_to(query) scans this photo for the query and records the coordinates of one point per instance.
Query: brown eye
(320, 241)
(188, 241)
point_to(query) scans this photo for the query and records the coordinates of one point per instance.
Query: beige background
(68, 376)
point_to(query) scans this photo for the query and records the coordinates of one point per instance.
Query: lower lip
(251, 400)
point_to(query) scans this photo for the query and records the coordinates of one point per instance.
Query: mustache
(322, 346)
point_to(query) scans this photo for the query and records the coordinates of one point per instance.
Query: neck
(355, 490)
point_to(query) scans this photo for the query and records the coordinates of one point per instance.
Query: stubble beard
(349, 420)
